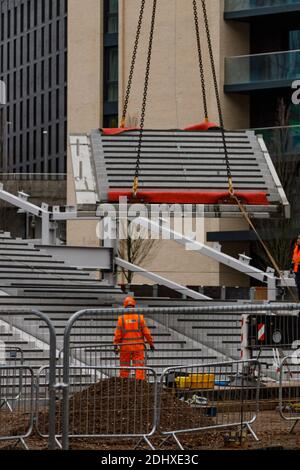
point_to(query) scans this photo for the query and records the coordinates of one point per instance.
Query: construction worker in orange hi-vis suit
(130, 336)
(296, 264)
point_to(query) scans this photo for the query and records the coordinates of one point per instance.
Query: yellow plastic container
(202, 381)
(194, 381)
(183, 382)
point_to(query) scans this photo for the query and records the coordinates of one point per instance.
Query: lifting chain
(133, 61)
(201, 67)
(144, 103)
(265, 247)
(229, 175)
(215, 81)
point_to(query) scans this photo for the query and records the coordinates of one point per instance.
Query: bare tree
(136, 250)
(278, 233)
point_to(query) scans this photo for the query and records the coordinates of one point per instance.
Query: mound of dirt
(118, 407)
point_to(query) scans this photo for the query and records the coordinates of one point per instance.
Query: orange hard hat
(129, 302)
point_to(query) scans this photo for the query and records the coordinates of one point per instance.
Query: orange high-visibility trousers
(132, 359)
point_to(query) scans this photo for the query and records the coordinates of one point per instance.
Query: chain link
(231, 188)
(133, 61)
(215, 80)
(201, 67)
(144, 103)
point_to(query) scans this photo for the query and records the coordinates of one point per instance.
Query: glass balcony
(262, 71)
(282, 142)
(235, 9)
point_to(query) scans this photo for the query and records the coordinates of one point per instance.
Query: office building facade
(266, 77)
(66, 64)
(33, 64)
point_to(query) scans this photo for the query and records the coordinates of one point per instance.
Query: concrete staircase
(31, 278)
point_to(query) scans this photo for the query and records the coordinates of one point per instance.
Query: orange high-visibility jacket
(132, 328)
(296, 259)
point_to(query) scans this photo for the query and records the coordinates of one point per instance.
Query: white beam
(199, 247)
(20, 202)
(161, 280)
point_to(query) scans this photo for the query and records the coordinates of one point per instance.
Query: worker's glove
(116, 350)
(152, 347)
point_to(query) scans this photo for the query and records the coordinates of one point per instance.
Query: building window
(43, 11)
(50, 39)
(111, 52)
(15, 21)
(21, 50)
(57, 7)
(294, 40)
(111, 17)
(28, 15)
(2, 26)
(22, 18)
(111, 67)
(8, 24)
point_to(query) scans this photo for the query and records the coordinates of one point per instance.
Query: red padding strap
(118, 130)
(202, 126)
(190, 197)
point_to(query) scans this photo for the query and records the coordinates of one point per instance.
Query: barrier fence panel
(12, 356)
(36, 332)
(182, 335)
(16, 420)
(289, 393)
(209, 397)
(98, 355)
(102, 404)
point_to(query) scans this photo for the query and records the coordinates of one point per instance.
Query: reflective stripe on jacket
(296, 259)
(132, 328)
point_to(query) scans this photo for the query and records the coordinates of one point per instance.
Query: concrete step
(42, 276)
(37, 269)
(12, 250)
(26, 301)
(42, 259)
(66, 309)
(53, 283)
(36, 294)
(67, 292)
(14, 242)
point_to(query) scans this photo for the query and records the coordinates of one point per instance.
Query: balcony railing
(262, 71)
(282, 142)
(247, 8)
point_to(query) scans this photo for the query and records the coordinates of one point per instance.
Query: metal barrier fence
(101, 404)
(289, 391)
(209, 397)
(103, 355)
(28, 322)
(183, 335)
(13, 356)
(16, 423)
